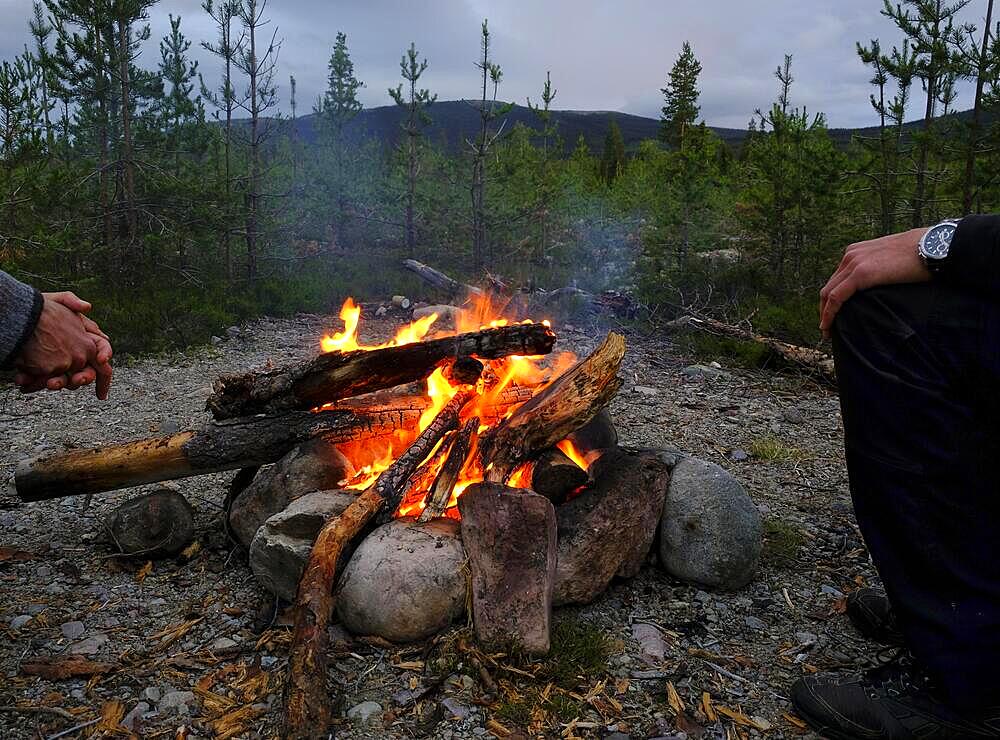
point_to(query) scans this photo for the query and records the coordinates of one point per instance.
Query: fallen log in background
(816, 363)
(559, 409)
(307, 703)
(337, 375)
(219, 446)
(449, 286)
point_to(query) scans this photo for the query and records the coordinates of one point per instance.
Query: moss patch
(782, 542)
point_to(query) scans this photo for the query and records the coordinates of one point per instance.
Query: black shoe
(891, 702)
(871, 614)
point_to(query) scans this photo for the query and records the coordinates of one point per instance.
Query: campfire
(475, 433)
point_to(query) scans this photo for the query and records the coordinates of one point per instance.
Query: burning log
(219, 446)
(569, 402)
(336, 375)
(816, 363)
(307, 707)
(451, 287)
(440, 494)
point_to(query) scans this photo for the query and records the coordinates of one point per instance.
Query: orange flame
(570, 451)
(373, 457)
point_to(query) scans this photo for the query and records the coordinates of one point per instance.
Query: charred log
(440, 493)
(219, 446)
(563, 406)
(337, 375)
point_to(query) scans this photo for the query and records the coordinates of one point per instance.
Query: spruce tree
(338, 106)
(414, 102)
(680, 108)
(933, 32)
(613, 157)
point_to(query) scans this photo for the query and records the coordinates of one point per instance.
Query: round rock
(156, 524)
(711, 532)
(316, 465)
(405, 582)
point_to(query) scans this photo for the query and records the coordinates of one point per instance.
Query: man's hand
(885, 261)
(67, 349)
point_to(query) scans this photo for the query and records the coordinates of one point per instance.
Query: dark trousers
(919, 373)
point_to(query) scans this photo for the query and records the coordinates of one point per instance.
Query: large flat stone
(510, 537)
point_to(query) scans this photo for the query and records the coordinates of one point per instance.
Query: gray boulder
(405, 582)
(281, 547)
(711, 532)
(160, 523)
(316, 465)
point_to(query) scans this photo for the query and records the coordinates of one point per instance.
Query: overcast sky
(602, 55)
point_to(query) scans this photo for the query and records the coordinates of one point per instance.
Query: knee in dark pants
(886, 311)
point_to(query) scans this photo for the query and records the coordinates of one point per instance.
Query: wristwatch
(935, 245)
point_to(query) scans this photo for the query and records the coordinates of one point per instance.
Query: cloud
(603, 56)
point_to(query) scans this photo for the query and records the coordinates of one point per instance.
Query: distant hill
(454, 121)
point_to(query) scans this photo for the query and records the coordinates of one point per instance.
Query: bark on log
(440, 493)
(337, 375)
(566, 404)
(219, 446)
(449, 286)
(307, 703)
(818, 364)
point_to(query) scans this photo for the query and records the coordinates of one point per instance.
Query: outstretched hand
(66, 350)
(885, 261)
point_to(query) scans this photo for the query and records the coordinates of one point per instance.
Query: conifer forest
(187, 202)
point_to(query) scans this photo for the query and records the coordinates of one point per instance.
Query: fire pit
(441, 470)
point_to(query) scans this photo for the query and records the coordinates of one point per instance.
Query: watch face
(938, 241)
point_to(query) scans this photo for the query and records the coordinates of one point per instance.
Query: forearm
(974, 257)
(20, 307)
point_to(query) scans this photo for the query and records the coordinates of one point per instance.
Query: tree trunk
(124, 42)
(253, 184)
(969, 182)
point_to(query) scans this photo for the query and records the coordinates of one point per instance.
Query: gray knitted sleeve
(20, 306)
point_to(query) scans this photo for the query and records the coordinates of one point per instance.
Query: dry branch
(307, 707)
(563, 406)
(440, 493)
(337, 375)
(816, 363)
(219, 446)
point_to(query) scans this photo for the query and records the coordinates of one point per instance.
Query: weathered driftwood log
(555, 476)
(510, 537)
(440, 494)
(566, 404)
(307, 704)
(449, 286)
(219, 446)
(816, 363)
(337, 375)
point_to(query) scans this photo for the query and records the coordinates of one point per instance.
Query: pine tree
(40, 31)
(613, 157)
(930, 27)
(983, 63)
(414, 103)
(178, 72)
(680, 109)
(889, 147)
(226, 49)
(490, 110)
(547, 179)
(259, 67)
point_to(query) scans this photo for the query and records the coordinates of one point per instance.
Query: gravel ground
(194, 643)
